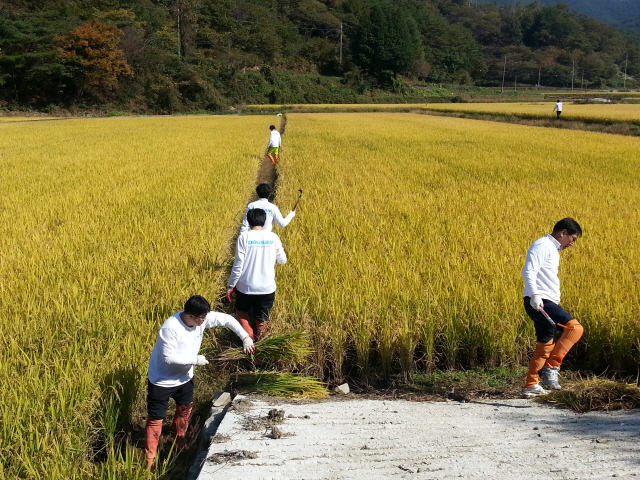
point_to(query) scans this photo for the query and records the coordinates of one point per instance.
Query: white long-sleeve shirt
(273, 214)
(177, 346)
(540, 272)
(275, 140)
(253, 271)
(558, 107)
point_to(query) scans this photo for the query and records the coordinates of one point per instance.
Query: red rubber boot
(153, 432)
(181, 423)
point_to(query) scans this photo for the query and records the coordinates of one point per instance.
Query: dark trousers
(158, 398)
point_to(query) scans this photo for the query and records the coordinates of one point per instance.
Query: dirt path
(376, 439)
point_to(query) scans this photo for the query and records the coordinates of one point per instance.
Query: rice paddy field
(590, 113)
(336, 107)
(405, 255)
(629, 94)
(25, 119)
(107, 227)
(411, 241)
(605, 113)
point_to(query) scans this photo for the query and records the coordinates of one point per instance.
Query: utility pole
(582, 83)
(624, 83)
(340, 43)
(539, 71)
(573, 70)
(179, 36)
(504, 70)
(515, 83)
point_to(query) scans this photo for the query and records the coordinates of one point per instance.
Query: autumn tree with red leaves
(93, 48)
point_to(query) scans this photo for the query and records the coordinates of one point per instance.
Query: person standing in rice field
(171, 367)
(275, 141)
(558, 109)
(542, 292)
(253, 273)
(273, 212)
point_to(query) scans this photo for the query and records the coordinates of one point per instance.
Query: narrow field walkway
(376, 439)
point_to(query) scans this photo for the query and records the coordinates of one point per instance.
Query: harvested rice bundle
(289, 348)
(280, 384)
(597, 394)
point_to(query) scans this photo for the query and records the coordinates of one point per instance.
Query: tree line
(176, 55)
(619, 13)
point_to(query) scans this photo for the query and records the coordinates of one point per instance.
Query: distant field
(595, 94)
(337, 107)
(413, 231)
(604, 113)
(612, 113)
(107, 226)
(25, 119)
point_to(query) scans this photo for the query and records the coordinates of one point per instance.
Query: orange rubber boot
(243, 319)
(181, 423)
(540, 355)
(572, 333)
(261, 330)
(153, 432)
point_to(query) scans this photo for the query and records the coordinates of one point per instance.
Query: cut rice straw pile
(280, 384)
(596, 394)
(289, 348)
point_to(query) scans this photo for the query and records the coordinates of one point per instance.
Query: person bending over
(171, 367)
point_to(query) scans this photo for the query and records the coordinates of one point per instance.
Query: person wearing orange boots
(542, 294)
(253, 275)
(171, 367)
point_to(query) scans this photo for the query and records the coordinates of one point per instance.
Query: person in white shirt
(273, 212)
(253, 275)
(558, 108)
(542, 293)
(171, 367)
(275, 141)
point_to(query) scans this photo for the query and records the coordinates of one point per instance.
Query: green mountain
(619, 13)
(184, 55)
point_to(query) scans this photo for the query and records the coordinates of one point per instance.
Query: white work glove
(247, 345)
(536, 302)
(200, 360)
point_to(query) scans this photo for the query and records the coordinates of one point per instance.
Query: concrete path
(378, 439)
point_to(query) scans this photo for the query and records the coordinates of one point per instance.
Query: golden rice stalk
(289, 348)
(280, 384)
(597, 394)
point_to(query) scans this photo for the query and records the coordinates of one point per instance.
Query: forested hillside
(620, 13)
(177, 55)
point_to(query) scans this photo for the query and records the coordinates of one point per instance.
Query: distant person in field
(558, 108)
(171, 367)
(542, 291)
(253, 275)
(275, 141)
(273, 212)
